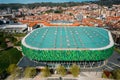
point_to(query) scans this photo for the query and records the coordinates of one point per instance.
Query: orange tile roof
(32, 24)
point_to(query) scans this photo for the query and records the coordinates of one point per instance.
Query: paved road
(114, 58)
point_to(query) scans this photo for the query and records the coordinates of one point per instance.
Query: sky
(33, 1)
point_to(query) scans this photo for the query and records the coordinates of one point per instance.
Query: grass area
(117, 50)
(9, 56)
(19, 35)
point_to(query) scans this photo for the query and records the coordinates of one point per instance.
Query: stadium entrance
(67, 64)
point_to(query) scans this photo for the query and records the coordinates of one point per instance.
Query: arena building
(86, 46)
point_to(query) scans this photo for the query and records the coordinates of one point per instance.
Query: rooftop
(61, 21)
(67, 37)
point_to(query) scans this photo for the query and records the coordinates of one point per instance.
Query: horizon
(39, 1)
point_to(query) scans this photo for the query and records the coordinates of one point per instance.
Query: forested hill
(33, 5)
(64, 4)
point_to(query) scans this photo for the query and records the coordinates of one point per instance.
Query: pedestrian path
(38, 77)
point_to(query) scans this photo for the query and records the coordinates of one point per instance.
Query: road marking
(109, 67)
(115, 64)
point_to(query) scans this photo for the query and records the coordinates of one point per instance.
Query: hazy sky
(33, 1)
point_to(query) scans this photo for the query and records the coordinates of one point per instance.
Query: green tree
(15, 74)
(46, 72)
(75, 70)
(58, 11)
(111, 77)
(61, 70)
(17, 43)
(11, 68)
(116, 74)
(3, 45)
(103, 75)
(70, 14)
(29, 72)
(2, 39)
(13, 39)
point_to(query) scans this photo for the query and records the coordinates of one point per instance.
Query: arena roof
(67, 38)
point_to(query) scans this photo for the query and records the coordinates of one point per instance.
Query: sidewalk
(82, 76)
(92, 74)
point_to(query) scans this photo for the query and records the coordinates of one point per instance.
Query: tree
(116, 74)
(12, 39)
(61, 70)
(58, 11)
(15, 74)
(11, 68)
(17, 43)
(111, 77)
(107, 74)
(75, 70)
(29, 72)
(103, 75)
(46, 72)
(3, 45)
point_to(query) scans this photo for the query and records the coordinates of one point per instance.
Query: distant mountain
(65, 4)
(33, 5)
(39, 1)
(107, 2)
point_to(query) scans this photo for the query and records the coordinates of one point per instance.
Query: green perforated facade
(67, 55)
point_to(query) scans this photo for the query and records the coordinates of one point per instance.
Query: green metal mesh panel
(67, 55)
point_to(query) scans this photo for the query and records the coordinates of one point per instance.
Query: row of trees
(16, 72)
(30, 72)
(74, 69)
(33, 5)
